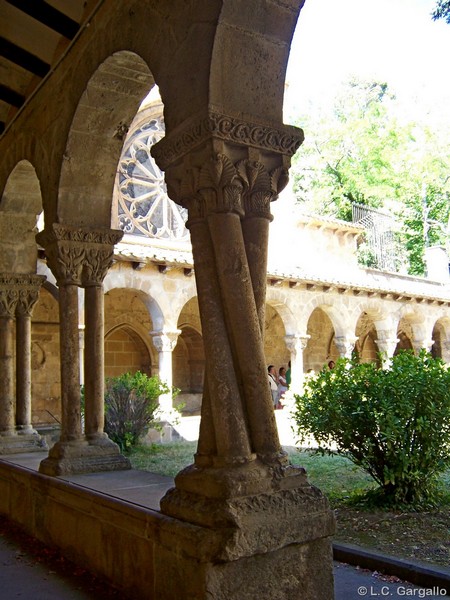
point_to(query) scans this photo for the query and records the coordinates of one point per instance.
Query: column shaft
(70, 363)
(23, 373)
(94, 361)
(244, 326)
(229, 422)
(256, 239)
(6, 375)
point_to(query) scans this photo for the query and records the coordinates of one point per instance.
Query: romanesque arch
(20, 206)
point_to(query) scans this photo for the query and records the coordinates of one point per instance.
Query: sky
(392, 41)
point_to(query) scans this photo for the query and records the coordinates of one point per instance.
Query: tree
(131, 406)
(394, 423)
(364, 151)
(442, 11)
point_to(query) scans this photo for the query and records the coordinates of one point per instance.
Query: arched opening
(275, 349)
(126, 352)
(142, 208)
(96, 137)
(128, 346)
(366, 347)
(321, 347)
(20, 206)
(188, 361)
(404, 336)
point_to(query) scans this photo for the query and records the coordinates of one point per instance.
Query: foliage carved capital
(19, 293)
(79, 256)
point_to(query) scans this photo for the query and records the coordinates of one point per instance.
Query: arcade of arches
(107, 265)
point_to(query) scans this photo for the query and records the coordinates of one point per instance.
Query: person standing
(288, 375)
(273, 382)
(282, 385)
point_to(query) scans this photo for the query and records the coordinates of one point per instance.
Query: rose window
(144, 206)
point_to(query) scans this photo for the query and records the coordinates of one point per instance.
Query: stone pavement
(26, 574)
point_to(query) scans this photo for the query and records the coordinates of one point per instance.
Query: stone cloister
(81, 296)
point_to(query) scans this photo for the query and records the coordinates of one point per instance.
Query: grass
(423, 536)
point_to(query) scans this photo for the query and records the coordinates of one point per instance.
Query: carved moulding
(19, 293)
(200, 128)
(79, 256)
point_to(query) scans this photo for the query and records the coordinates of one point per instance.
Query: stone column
(28, 296)
(8, 302)
(386, 344)
(422, 344)
(241, 492)
(296, 344)
(18, 294)
(76, 256)
(165, 342)
(345, 345)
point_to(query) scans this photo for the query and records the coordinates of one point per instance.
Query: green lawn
(334, 475)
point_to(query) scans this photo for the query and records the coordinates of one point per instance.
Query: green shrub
(394, 423)
(131, 406)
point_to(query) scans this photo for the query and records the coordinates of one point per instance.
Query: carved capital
(234, 130)
(345, 345)
(165, 341)
(296, 343)
(422, 344)
(79, 256)
(19, 293)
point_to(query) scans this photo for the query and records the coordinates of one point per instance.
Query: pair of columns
(81, 258)
(18, 295)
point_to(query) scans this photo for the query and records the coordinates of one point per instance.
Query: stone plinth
(266, 534)
(21, 442)
(80, 456)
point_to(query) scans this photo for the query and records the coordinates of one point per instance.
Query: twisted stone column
(241, 492)
(81, 258)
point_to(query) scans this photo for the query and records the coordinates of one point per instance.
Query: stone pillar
(345, 345)
(422, 344)
(81, 344)
(296, 344)
(28, 297)
(165, 342)
(386, 347)
(8, 302)
(18, 294)
(251, 506)
(78, 258)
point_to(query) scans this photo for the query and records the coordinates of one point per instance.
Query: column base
(15, 443)
(80, 456)
(272, 543)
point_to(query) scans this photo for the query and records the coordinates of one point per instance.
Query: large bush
(394, 423)
(131, 406)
